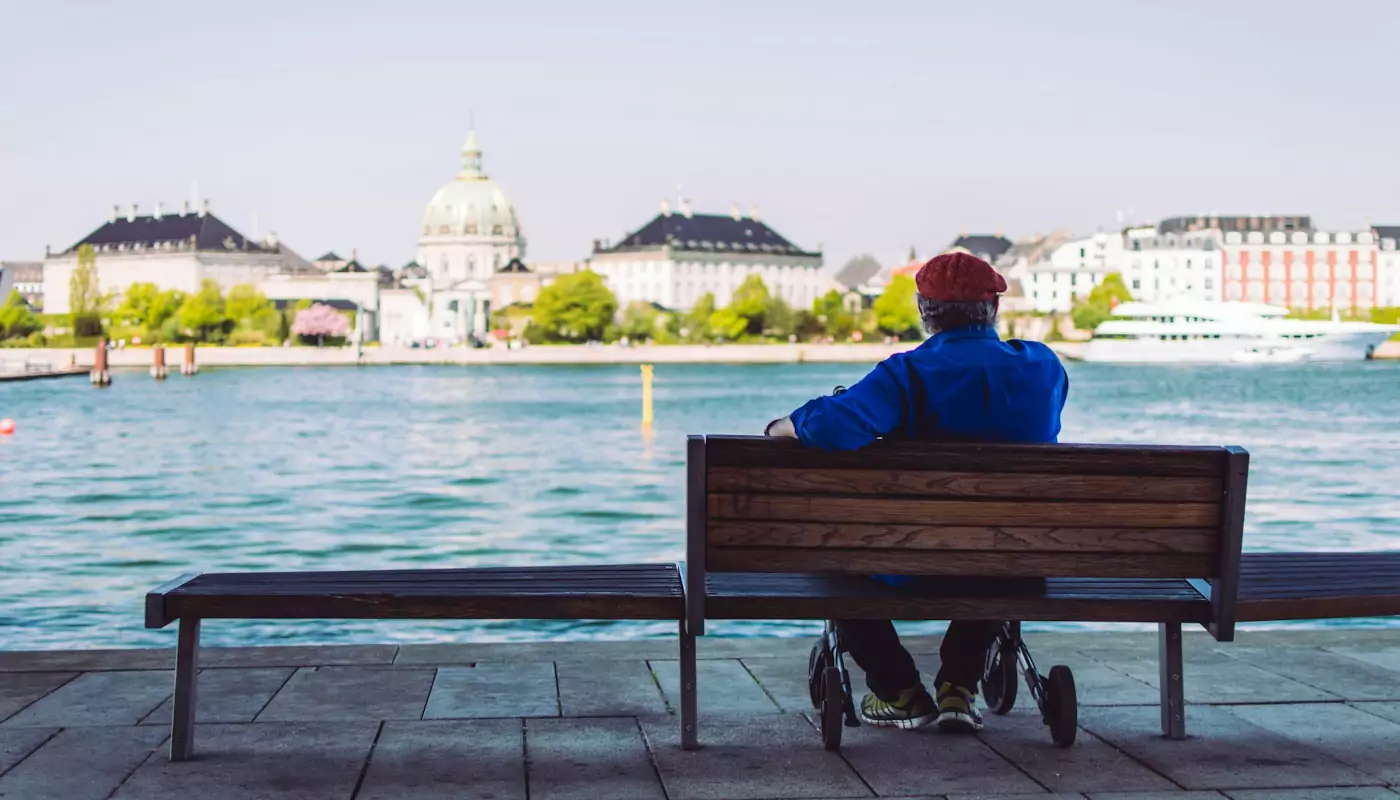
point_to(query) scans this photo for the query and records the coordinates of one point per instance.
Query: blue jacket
(961, 385)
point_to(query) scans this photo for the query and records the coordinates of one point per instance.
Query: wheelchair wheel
(817, 662)
(1061, 706)
(832, 707)
(999, 683)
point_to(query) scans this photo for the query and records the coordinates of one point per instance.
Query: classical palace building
(678, 257)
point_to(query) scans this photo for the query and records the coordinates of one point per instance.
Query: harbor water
(107, 493)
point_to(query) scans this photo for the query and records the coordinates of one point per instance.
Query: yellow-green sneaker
(913, 709)
(957, 709)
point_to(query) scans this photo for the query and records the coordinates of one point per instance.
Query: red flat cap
(959, 278)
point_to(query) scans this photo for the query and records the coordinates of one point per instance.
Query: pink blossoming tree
(320, 321)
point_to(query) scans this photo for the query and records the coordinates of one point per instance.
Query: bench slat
(1284, 586)
(808, 508)
(805, 596)
(958, 562)
(724, 533)
(1070, 459)
(927, 483)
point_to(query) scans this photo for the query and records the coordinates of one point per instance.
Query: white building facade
(677, 258)
(1389, 260)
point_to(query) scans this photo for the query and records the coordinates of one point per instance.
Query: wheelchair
(1007, 661)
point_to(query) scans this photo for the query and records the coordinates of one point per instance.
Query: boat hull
(1339, 346)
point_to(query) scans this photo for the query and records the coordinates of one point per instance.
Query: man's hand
(781, 427)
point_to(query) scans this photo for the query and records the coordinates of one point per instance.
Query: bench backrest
(1102, 511)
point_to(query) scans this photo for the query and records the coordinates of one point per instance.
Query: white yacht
(1200, 332)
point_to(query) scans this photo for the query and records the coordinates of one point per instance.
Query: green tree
(203, 313)
(16, 318)
(639, 320)
(727, 324)
(1098, 307)
(697, 320)
(781, 320)
(830, 311)
(577, 307)
(896, 310)
(84, 295)
(747, 312)
(249, 308)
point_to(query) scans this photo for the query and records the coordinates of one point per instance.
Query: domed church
(470, 231)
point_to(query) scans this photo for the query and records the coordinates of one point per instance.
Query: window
(1137, 284)
(1210, 283)
(1081, 253)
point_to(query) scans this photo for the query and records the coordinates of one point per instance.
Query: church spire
(471, 159)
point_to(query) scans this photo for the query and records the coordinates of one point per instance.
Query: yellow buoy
(647, 415)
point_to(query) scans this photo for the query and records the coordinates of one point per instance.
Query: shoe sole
(958, 722)
(909, 723)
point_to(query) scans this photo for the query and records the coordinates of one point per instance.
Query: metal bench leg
(690, 734)
(186, 672)
(1170, 680)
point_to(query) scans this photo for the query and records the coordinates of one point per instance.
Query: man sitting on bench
(962, 384)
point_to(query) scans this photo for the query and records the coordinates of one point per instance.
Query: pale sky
(863, 126)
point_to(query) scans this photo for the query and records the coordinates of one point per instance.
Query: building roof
(23, 271)
(857, 271)
(209, 232)
(710, 232)
(986, 247)
(351, 266)
(329, 256)
(514, 266)
(1387, 232)
(1244, 223)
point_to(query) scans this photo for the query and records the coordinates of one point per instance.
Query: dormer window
(497, 230)
(471, 229)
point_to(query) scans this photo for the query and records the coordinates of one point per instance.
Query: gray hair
(939, 315)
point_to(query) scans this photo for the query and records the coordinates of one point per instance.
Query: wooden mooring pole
(158, 370)
(189, 367)
(100, 375)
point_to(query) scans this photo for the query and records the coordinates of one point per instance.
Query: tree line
(579, 307)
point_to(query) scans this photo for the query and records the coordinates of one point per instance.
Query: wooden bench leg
(1170, 680)
(690, 734)
(186, 673)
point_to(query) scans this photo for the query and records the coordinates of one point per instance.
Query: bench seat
(623, 591)
(757, 595)
(1286, 586)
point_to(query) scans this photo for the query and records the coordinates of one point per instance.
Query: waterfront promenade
(1292, 715)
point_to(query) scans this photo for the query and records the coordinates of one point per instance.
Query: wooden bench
(1296, 586)
(1119, 533)
(629, 591)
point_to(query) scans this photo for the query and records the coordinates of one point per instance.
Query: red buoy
(7, 426)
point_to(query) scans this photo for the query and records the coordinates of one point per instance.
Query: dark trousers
(889, 669)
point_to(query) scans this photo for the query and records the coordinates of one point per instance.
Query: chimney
(204, 207)
(665, 207)
(185, 209)
(131, 217)
(753, 212)
(271, 239)
(685, 208)
(116, 212)
(734, 212)
(158, 204)
(598, 243)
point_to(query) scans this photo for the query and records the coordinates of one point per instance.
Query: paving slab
(332, 655)
(1390, 711)
(478, 759)
(1040, 796)
(1089, 766)
(19, 689)
(466, 653)
(899, 762)
(1342, 675)
(1214, 678)
(583, 759)
(1367, 742)
(608, 688)
(1386, 657)
(784, 680)
(17, 743)
(81, 764)
(228, 695)
(98, 698)
(1343, 793)
(285, 761)
(724, 687)
(1099, 684)
(331, 694)
(86, 660)
(494, 690)
(1223, 751)
(746, 757)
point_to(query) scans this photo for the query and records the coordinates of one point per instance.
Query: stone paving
(1286, 715)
